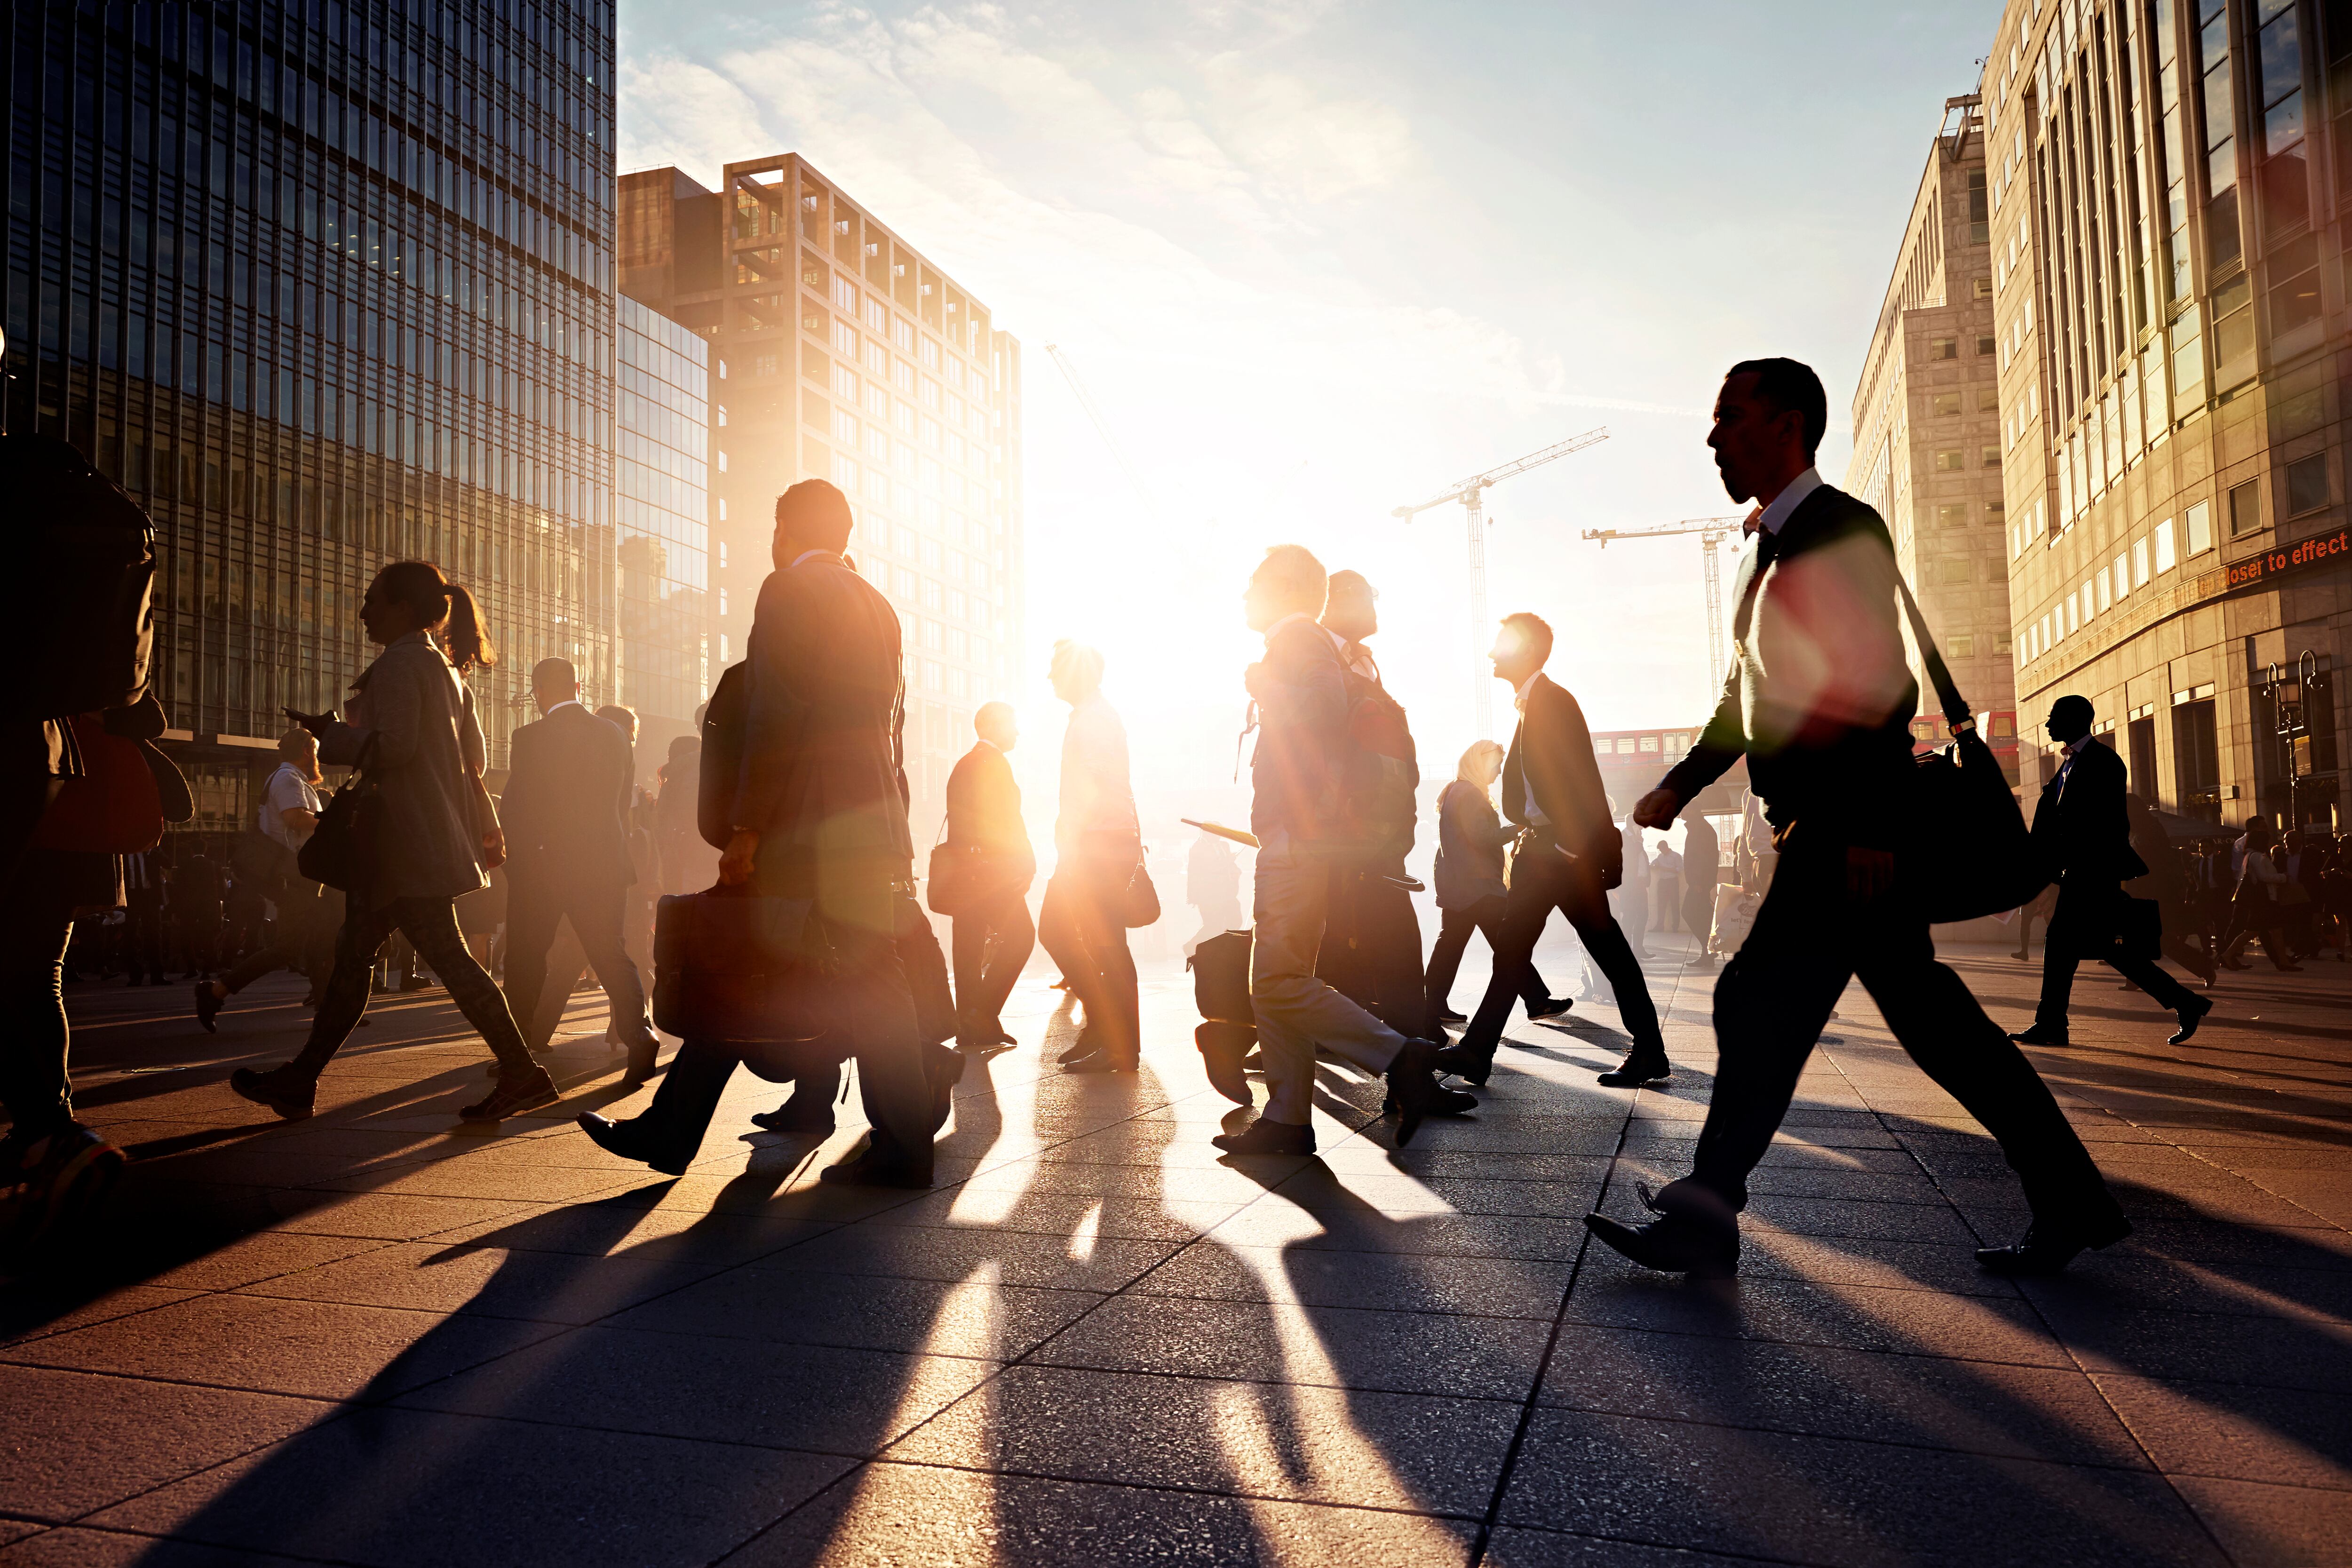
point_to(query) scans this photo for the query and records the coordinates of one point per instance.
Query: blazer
(2081, 832)
(1551, 767)
(1302, 717)
(566, 802)
(985, 805)
(1470, 840)
(822, 777)
(412, 724)
(1820, 695)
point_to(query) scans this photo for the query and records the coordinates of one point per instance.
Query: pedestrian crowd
(762, 903)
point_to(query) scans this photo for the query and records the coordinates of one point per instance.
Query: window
(1988, 346)
(1944, 347)
(763, 364)
(1988, 399)
(2294, 285)
(844, 297)
(844, 339)
(1627, 747)
(2165, 558)
(1950, 460)
(2139, 563)
(2222, 244)
(2198, 524)
(1964, 647)
(1984, 288)
(1952, 514)
(2286, 183)
(877, 315)
(1648, 743)
(1997, 509)
(2123, 575)
(1991, 457)
(845, 383)
(2245, 508)
(2233, 331)
(2073, 607)
(2307, 484)
(2106, 592)
(845, 428)
(1952, 572)
(1944, 404)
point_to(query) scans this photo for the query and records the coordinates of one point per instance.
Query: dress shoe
(1007, 1041)
(645, 1064)
(622, 1139)
(1100, 1061)
(1471, 1067)
(872, 1170)
(1552, 1007)
(51, 1185)
(1085, 1045)
(1640, 1067)
(2048, 1248)
(1696, 1232)
(1225, 1045)
(802, 1115)
(1448, 1015)
(1412, 1083)
(284, 1091)
(524, 1091)
(209, 1005)
(2190, 1016)
(2039, 1034)
(1265, 1137)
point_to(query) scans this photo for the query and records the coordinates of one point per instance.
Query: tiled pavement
(377, 1338)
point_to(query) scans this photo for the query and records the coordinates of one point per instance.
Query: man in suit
(1571, 854)
(2082, 834)
(816, 809)
(989, 843)
(1819, 698)
(1701, 873)
(565, 810)
(1301, 691)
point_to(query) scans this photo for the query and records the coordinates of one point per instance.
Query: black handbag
(341, 852)
(738, 967)
(1969, 854)
(1139, 906)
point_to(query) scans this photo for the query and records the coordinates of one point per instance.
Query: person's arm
(1722, 742)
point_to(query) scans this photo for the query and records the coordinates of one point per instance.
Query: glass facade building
(661, 480)
(324, 285)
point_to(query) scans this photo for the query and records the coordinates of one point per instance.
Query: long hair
(444, 608)
(1475, 750)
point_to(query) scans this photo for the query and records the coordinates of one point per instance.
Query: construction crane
(1102, 427)
(1712, 531)
(1468, 492)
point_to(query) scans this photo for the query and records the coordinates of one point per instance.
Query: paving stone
(2273, 1526)
(1484, 1287)
(996, 1323)
(2237, 1431)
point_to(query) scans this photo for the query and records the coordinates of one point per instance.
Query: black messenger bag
(1965, 853)
(737, 967)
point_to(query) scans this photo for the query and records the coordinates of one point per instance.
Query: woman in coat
(1469, 875)
(413, 732)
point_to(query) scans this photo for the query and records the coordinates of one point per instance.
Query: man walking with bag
(2082, 835)
(989, 866)
(1819, 699)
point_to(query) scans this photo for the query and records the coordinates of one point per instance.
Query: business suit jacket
(821, 778)
(566, 802)
(2081, 832)
(412, 722)
(1551, 765)
(1820, 696)
(984, 805)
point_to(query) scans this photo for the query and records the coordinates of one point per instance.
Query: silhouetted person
(413, 731)
(637, 820)
(569, 789)
(993, 936)
(2082, 835)
(143, 926)
(689, 863)
(1301, 691)
(816, 810)
(1096, 848)
(2169, 882)
(1471, 895)
(1701, 873)
(288, 814)
(1569, 854)
(1819, 699)
(1372, 934)
(2254, 908)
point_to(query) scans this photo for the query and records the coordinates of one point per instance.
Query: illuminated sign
(2304, 555)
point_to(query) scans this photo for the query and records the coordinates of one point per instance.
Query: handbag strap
(1939, 675)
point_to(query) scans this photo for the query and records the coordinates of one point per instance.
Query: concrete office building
(838, 352)
(661, 506)
(1926, 424)
(323, 286)
(2169, 181)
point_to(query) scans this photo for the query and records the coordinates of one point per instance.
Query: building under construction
(838, 352)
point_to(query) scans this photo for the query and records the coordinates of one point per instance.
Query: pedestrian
(1300, 692)
(288, 815)
(143, 930)
(1666, 889)
(988, 845)
(413, 733)
(1629, 901)
(1820, 700)
(1569, 852)
(2082, 837)
(565, 812)
(2254, 908)
(1470, 888)
(637, 903)
(2170, 885)
(1098, 850)
(1702, 874)
(689, 863)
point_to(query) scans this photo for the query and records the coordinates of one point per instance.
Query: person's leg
(872, 1005)
(431, 926)
(1934, 1018)
(670, 1130)
(1606, 942)
(1489, 914)
(2058, 967)
(532, 911)
(597, 916)
(1104, 923)
(1296, 1012)
(1454, 928)
(1065, 930)
(1390, 928)
(968, 938)
(35, 932)
(346, 995)
(926, 968)
(1007, 955)
(1526, 909)
(2150, 976)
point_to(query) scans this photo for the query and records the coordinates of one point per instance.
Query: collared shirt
(1789, 500)
(1536, 818)
(1277, 629)
(567, 702)
(806, 555)
(2072, 750)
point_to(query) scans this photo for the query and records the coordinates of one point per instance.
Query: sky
(1314, 260)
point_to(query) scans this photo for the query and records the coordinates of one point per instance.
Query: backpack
(92, 552)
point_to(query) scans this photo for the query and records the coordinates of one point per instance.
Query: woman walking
(413, 733)
(1470, 890)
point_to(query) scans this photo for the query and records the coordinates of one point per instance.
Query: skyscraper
(324, 285)
(841, 352)
(1926, 451)
(661, 483)
(2169, 184)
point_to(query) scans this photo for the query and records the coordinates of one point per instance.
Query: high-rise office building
(661, 509)
(1926, 417)
(324, 285)
(841, 352)
(2169, 182)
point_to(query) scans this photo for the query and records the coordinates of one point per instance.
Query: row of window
(2134, 567)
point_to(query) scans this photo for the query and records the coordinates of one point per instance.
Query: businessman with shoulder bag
(1872, 845)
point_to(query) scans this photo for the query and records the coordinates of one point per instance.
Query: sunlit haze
(1315, 261)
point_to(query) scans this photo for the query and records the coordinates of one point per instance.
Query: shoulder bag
(731, 965)
(948, 887)
(341, 851)
(1968, 854)
(1140, 905)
